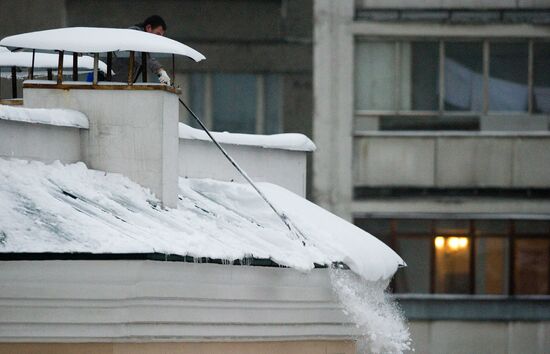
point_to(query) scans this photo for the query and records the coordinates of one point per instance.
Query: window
(238, 103)
(496, 257)
(449, 84)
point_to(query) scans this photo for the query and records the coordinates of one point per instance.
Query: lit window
(452, 264)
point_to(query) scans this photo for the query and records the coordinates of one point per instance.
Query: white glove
(163, 77)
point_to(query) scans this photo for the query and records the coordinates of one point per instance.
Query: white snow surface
(47, 60)
(287, 141)
(107, 213)
(99, 40)
(59, 117)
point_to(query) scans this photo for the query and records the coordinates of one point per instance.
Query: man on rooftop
(152, 24)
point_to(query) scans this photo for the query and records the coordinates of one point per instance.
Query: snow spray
(375, 313)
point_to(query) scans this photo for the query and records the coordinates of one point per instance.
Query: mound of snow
(288, 141)
(70, 208)
(59, 117)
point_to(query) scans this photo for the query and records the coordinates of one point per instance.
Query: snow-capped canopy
(287, 141)
(46, 61)
(54, 116)
(70, 208)
(99, 40)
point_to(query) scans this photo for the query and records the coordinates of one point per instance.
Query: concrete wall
(480, 337)
(333, 105)
(131, 132)
(445, 4)
(202, 159)
(41, 142)
(452, 160)
(145, 301)
(284, 347)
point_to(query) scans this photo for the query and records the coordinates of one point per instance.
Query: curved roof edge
(99, 40)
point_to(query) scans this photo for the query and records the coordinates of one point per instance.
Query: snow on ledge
(288, 141)
(58, 117)
(70, 208)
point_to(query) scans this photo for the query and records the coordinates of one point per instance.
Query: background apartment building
(431, 119)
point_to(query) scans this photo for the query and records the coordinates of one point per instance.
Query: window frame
(511, 236)
(261, 99)
(441, 112)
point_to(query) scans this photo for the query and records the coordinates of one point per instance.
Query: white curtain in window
(461, 83)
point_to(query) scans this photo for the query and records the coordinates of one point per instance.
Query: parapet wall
(33, 141)
(202, 159)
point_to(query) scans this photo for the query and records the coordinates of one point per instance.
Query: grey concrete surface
(464, 160)
(138, 138)
(47, 143)
(94, 301)
(282, 167)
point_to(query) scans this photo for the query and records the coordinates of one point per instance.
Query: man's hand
(163, 77)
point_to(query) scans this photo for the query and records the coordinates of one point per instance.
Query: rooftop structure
(116, 187)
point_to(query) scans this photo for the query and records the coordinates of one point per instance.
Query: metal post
(173, 70)
(50, 74)
(75, 66)
(486, 53)
(109, 65)
(14, 82)
(60, 68)
(131, 68)
(530, 77)
(31, 74)
(143, 66)
(96, 63)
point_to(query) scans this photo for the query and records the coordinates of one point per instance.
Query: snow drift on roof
(59, 117)
(288, 141)
(47, 60)
(57, 208)
(99, 40)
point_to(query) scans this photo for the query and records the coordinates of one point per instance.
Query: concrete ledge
(286, 347)
(475, 307)
(101, 86)
(47, 143)
(202, 159)
(121, 301)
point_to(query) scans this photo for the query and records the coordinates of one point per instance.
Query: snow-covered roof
(47, 60)
(288, 141)
(99, 40)
(70, 208)
(59, 117)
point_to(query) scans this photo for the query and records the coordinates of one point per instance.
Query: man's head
(154, 24)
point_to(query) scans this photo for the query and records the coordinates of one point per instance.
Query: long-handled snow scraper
(285, 219)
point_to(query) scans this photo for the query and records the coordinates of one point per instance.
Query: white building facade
(431, 123)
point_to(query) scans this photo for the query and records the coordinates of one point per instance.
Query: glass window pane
(491, 265)
(379, 228)
(508, 77)
(452, 264)
(234, 102)
(415, 278)
(423, 81)
(492, 227)
(451, 227)
(375, 75)
(463, 76)
(413, 226)
(541, 77)
(273, 104)
(526, 227)
(196, 97)
(531, 263)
